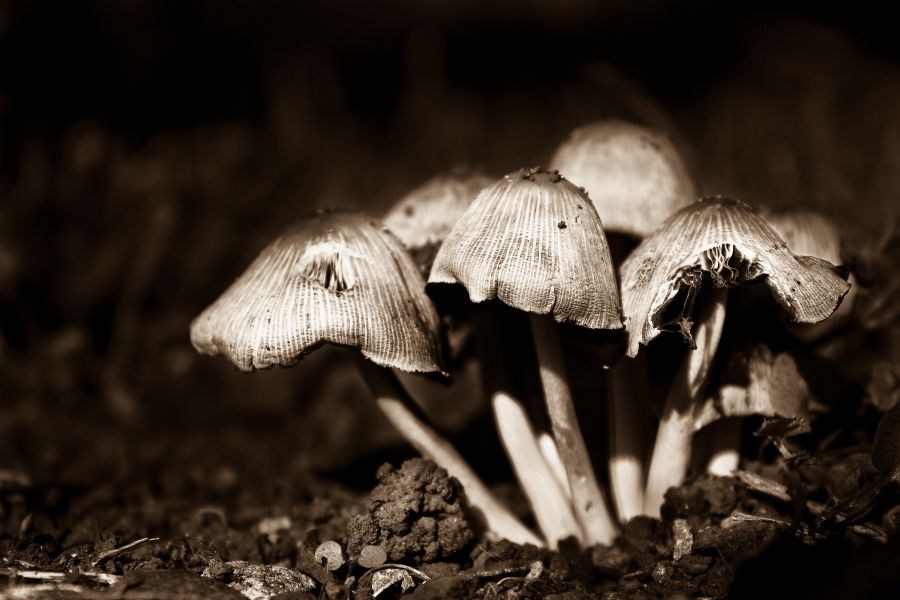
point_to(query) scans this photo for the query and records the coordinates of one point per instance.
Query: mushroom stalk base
(726, 444)
(551, 455)
(400, 410)
(672, 450)
(627, 402)
(551, 508)
(587, 498)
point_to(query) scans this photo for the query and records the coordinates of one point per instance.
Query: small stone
(372, 556)
(695, 564)
(330, 554)
(684, 539)
(662, 572)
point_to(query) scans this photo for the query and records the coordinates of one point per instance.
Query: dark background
(150, 148)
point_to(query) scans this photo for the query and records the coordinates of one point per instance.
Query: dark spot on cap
(409, 211)
(561, 225)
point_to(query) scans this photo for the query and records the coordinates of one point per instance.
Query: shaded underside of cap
(728, 243)
(634, 176)
(425, 216)
(333, 277)
(534, 241)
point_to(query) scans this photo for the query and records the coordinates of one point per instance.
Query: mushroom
(809, 233)
(716, 243)
(534, 242)
(339, 277)
(756, 382)
(635, 178)
(422, 219)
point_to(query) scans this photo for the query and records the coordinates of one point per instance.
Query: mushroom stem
(672, 450)
(726, 442)
(405, 416)
(551, 508)
(587, 498)
(551, 455)
(627, 402)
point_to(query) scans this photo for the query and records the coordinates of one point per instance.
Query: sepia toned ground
(149, 151)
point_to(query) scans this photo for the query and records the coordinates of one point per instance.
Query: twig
(116, 551)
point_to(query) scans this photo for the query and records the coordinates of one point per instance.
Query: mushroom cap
(807, 233)
(634, 176)
(810, 233)
(338, 277)
(424, 216)
(731, 244)
(534, 241)
(760, 383)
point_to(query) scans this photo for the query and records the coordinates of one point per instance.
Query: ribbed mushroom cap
(808, 233)
(534, 241)
(337, 277)
(425, 216)
(727, 242)
(635, 177)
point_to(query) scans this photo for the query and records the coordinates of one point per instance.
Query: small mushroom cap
(337, 277)
(729, 243)
(760, 383)
(534, 241)
(635, 177)
(425, 216)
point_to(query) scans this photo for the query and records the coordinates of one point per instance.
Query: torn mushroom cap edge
(729, 243)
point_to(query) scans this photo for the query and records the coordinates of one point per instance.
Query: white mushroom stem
(552, 509)
(627, 402)
(587, 498)
(672, 450)
(551, 455)
(726, 442)
(403, 414)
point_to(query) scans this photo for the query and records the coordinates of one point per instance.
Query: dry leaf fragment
(391, 575)
(260, 582)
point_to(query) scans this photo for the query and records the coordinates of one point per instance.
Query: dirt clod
(416, 513)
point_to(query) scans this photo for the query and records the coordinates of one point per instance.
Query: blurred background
(150, 148)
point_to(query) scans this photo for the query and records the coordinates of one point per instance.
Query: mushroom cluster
(534, 243)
